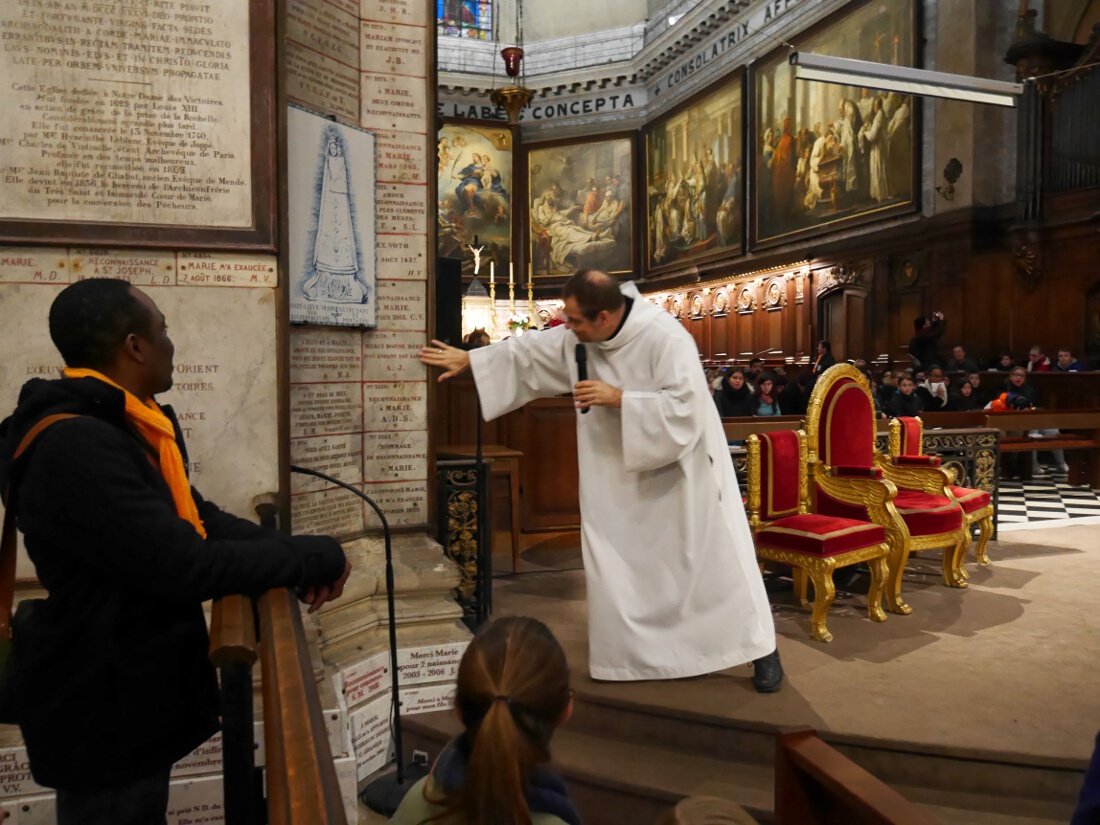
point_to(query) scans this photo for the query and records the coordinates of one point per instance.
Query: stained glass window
(465, 18)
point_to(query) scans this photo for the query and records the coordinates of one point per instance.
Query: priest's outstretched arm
(512, 372)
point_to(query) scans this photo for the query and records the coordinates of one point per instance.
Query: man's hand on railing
(317, 595)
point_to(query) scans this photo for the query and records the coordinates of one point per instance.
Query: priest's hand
(451, 359)
(596, 394)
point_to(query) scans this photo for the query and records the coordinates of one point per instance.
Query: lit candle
(511, 279)
(492, 269)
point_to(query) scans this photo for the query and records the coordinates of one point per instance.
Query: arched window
(465, 18)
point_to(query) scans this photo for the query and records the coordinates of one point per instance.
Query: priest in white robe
(673, 584)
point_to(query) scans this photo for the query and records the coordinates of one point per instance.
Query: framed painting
(581, 206)
(827, 155)
(694, 196)
(475, 193)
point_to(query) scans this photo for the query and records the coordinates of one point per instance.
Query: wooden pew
(817, 785)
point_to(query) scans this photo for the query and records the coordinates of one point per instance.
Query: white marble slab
(400, 405)
(370, 736)
(325, 355)
(393, 356)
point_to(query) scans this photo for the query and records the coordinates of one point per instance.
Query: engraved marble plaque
(401, 157)
(30, 810)
(392, 49)
(28, 265)
(431, 663)
(225, 269)
(322, 83)
(393, 356)
(225, 389)
(15, 774)
(141, 268)
(135, 112)
(404, 504)
(334, 512)
(324, 356)
(366, 679)
(339, 456)
(325, 28)
(370, 736)
(321, 409)
(393, 103)
(402, 208)
(402, 258)
(402, 305)
(411, 12)
(427, 699)
(395, 456)
(395, 406)
(196, 801)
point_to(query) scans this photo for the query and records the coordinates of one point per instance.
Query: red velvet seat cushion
(816, 535)
(926, 515)
(971, 499)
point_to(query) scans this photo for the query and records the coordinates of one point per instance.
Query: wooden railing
(817, 785)
(301, 778)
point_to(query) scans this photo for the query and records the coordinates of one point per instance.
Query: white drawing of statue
(335, 254)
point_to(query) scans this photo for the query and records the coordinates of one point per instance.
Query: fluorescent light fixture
(866, 73)
(673, 19)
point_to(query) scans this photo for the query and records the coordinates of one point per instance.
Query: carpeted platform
(1004, 669)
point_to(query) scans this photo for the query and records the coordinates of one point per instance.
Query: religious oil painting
(581, 206)
(694, 201)
(827, 155)
(330, 189)
(475, 195)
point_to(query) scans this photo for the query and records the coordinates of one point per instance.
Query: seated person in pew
(905, 402)
(734, 398)
(767, 401)
(1019, 395)
(1067, 363)
(512, 694)
(933, 392)
(961, 397)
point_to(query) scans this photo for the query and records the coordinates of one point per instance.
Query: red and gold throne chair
(906, 448)
(814, 545)
(840, 421)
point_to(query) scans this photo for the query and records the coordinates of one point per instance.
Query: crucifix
(475, 250)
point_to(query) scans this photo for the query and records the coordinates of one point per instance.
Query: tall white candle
(511, 278)
(492, 269)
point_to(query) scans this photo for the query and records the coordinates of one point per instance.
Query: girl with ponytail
(513, 692)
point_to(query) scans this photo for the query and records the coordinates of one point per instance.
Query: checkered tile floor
(1044, 500)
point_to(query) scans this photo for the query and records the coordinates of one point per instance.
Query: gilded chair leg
(879, 572)
(799, 576)
(824, 593)
(896, 560)
(985, 527)
(951, 575)
(960, 556)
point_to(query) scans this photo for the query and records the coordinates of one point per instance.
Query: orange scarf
(155, 427)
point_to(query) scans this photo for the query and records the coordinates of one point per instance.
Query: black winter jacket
(111, 671)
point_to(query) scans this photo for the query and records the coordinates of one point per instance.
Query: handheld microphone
(582, 368)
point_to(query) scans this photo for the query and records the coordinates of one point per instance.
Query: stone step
(614, 780)
(961, 770)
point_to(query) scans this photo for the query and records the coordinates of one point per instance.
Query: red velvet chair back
(781, 471)
(911, 436)
(846, 425)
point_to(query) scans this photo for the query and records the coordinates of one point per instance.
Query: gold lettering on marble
(225, 269)
(29, 265)
(145, 268)
(401, 208)
(409, 12)
(400, 158)
(395, 456)
(392, 49)
(323, 409)
(393, 103)
(393, 356)
(132, 112)
(319, 356)
(395, 406)
(402, 305)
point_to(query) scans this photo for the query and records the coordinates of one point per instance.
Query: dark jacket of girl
(733, 403)
(902, 405)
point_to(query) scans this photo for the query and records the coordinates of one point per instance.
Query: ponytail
(513, 691)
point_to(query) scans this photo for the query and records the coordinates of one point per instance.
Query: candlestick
(531, 294)
(492, 307)
(511, 298)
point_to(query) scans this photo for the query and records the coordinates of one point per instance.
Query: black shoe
(767, 673)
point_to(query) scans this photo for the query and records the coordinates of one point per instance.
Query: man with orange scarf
(112, 681)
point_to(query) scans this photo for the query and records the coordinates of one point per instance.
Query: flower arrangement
(518, 321)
